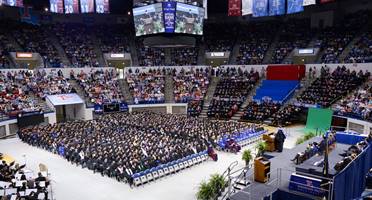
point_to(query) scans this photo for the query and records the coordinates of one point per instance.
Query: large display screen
(71, 6)
(168, 17)
(148, 19)
(102, 6)
(189, 19)
(17, 3)
(56, 6)
(87, 6)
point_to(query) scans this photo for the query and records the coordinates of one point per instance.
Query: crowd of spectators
(44, 83)
(286, 116)
(113, 39)
(231, 91)
(219, 37)
(184, 56)
(36, 39)
(357, 105)
(21, 183)
(122, 144)
(14, 92)
(260, 111)
(331, 86)
(333, 40)
(362, 50)
(77, 42)
(190, 86)
(295, 33)
(254, 43)
(147, 87)
(150, 56)
(100, 86)
(5, 48)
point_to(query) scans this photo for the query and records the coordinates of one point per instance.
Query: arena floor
(71, 182)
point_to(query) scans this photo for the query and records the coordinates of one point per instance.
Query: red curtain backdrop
(285, 72)
(326, 1)
(235, 8)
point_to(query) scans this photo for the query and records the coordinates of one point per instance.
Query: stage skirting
(348, 138)
(350, 182)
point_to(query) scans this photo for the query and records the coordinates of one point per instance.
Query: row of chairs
(169, 168)
(257, 137)
(245, 139)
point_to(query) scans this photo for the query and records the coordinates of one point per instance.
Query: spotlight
(46, 9)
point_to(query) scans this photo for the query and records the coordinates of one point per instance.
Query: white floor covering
(71, 182)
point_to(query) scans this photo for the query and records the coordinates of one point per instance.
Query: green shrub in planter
(261, 147)
(247, 156)
(300, 140)
(218, 183)
(205, 191)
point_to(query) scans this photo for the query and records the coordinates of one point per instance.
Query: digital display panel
(189, 19)
(169, 11)
(148, 19)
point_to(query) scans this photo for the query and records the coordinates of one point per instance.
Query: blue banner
(294, 6)
(276, 7)
(169, 11)
(260, 8)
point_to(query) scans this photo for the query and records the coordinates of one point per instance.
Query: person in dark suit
(279, 140)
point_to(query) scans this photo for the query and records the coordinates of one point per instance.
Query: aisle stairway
(124, 87)
(168, 93)
(249, 98)
(348, 48)
(80, 92)
(209, 96)
(201, 54)
(271, 49)
(97, 50)
(234, 53)
(60, 50)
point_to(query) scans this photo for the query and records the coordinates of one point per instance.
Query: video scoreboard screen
(189, 19)
(56, 6)
(148, 19)
(168, 17)
(71, 6)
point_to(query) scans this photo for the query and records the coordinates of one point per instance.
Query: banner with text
(235, 8)
(294, 6)
(276, 7)
(169, 12)
(260, 8)
(247, 6)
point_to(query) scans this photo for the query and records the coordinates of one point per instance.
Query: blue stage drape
(350, 182)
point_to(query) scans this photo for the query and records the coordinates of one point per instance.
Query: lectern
(261, 169)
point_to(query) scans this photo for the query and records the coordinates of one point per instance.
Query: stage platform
(283, 161)
(8, 159)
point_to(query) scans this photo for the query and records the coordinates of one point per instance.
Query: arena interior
(185, 99)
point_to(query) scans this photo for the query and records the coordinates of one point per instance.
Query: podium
(270, 141)
(261, 169)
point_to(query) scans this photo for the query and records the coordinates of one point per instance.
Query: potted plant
(205, 191)
(218, 183)
(261, 148)
(247, 157)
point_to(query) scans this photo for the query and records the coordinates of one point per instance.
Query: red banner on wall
(285, 72)
(326, 1)
(235, 8)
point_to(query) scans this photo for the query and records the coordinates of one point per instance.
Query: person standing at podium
(279, 140)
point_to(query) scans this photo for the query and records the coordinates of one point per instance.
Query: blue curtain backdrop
(260, 8)
(350, 182)
(294, 6)
(276, 7)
